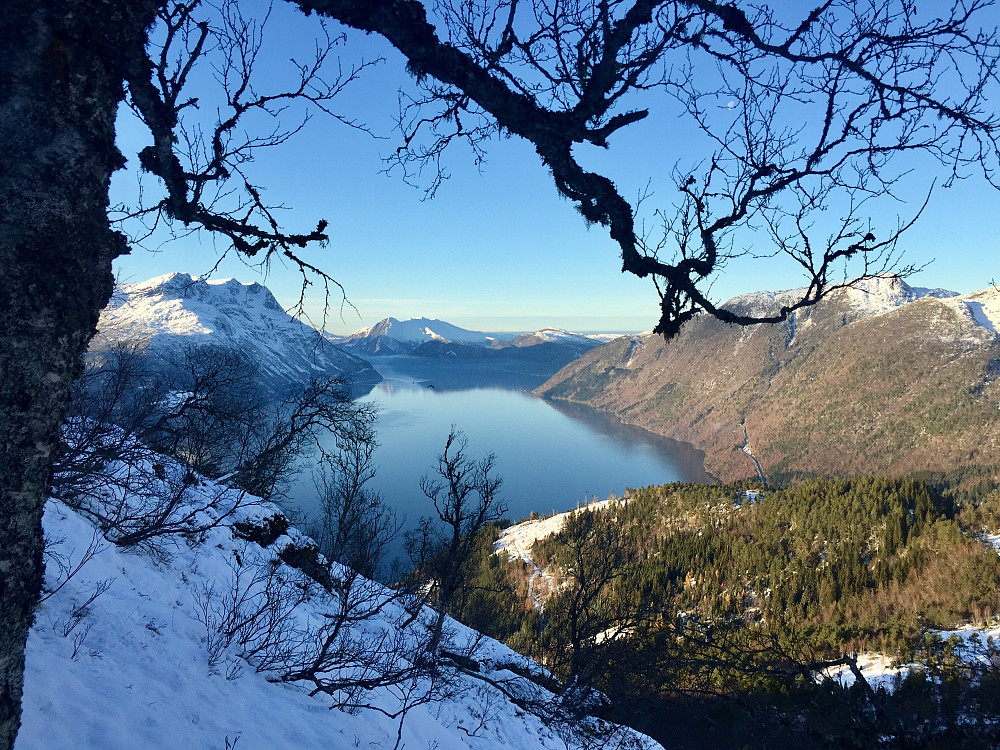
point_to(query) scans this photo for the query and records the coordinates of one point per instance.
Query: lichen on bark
(60, 86)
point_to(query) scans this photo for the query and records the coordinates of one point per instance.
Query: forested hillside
(741, 599)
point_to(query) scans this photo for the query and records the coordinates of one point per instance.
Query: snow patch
(993, 540)
(176, 309)
(133, 672)
(881, 671)
(517, 540)
(982, 307)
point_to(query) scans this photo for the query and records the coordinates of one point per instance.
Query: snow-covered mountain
(175, 310)
(438, 339)
(392, 336)
(551, 336)
(865, 297)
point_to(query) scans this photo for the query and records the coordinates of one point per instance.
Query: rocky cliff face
(884, 378)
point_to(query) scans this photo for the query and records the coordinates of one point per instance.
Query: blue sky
(497, 248)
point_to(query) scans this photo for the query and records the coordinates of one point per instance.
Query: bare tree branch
(204, 167)
(823, 104)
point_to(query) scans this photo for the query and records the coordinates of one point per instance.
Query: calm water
(552, 455)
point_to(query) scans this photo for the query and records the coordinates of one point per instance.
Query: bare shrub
(209, 412)
(254, 613)
(464, 494)
(355, 526)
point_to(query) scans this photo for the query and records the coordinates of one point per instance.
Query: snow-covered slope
(131, 667)
(982, 307)
(177, 309)
(517, 540)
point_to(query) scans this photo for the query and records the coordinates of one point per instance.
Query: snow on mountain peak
(216, 292)
(871, 296)
(176, 309)
(560, 334)
(553, 336)
(393, 336)
(887, 292)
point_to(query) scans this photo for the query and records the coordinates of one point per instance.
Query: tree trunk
(60, 86)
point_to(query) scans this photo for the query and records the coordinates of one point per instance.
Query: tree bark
(61, 77)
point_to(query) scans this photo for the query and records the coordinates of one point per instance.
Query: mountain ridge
(881, 379)
(176, 309)
(437, 339)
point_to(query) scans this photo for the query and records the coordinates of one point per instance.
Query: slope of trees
(687, 595)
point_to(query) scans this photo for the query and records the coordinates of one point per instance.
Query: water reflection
(552, 455)
(406, 371)
(690, 461)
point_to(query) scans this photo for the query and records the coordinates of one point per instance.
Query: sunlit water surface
(552, 455)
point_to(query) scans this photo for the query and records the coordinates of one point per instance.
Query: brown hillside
(838, 390)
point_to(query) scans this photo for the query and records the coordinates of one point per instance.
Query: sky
(497, 249)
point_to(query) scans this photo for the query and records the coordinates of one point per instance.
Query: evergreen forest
(733, 615)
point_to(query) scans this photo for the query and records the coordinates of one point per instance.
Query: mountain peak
(393, 336)
(177, 309)
(880, 294)
(866, 297)
(218, 292)
(552, 336)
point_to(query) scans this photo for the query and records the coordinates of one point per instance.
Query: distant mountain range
(392, 336)
(177, 309)
(881, 378)
(172, 311)
(436, 339)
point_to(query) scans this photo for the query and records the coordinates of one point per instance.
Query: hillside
(776, 599)
(177, 309)
(187, 643)
(884, 378)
